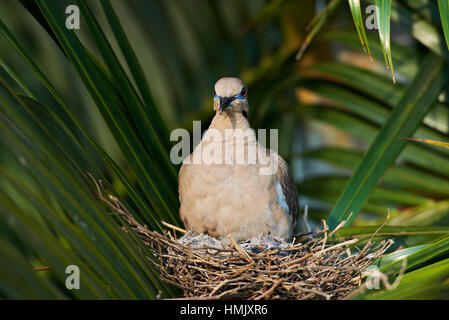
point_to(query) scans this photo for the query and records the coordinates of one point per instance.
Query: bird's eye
(243, 93)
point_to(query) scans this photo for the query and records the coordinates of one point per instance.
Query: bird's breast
(231, 197)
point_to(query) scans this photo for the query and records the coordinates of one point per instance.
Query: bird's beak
(224, 103)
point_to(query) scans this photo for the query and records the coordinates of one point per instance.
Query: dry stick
(173, 227)
(384, 280)
(220, 285)
(400, 274)
(240, 250)
(326, 296)
(374, 234)
(398, 279)
(340, 225)
(325, 229)
(304, 218)
(338, 245)
(267, 294)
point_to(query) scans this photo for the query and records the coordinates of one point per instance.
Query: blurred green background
(103, 100)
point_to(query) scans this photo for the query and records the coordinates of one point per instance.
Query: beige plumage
(220, 195)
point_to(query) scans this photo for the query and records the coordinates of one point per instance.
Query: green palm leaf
(403, 121)
(443, 6)
(64, 182)
(425, 273)
(405, 177)
(316, 25)
(366, 131)
(359, 25)
(141, 153)
(383, 9)
(72, 123)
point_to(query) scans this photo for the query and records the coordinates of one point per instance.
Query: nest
(261, 268)
(313, 269)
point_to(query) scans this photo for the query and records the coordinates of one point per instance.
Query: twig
(173, 227)
(267, 294)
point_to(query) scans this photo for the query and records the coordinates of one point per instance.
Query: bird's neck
(232, 120)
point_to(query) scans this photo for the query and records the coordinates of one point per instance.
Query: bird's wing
(181, 177)
(285, 179)
(183, 187)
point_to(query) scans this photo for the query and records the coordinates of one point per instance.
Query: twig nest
(260, 268)
(263, 267)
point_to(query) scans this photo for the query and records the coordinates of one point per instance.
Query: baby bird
(230, 185)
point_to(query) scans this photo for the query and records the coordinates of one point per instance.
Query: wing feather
(285, 178)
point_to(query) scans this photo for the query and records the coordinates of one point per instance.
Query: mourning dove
(223, 196)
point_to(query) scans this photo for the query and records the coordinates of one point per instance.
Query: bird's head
(231, 94)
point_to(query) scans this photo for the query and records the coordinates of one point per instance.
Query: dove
(230, 185)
